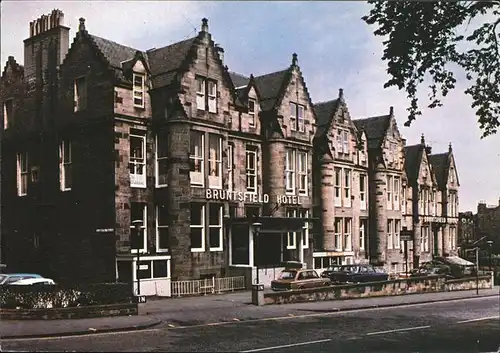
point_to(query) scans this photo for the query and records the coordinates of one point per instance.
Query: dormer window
(138, 90)
(206, 94)
(297, 117)
(251, 112)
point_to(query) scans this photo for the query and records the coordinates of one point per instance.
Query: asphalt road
(471, 325)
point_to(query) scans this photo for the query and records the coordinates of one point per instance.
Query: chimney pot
(449, 148)
(81, 27)
(341, 93)
(391, 111)
(204, 24)
(295, 61)
(422, 140)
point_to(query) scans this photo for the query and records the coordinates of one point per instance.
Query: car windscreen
(333, 268)
(288, 274)
(349, 269)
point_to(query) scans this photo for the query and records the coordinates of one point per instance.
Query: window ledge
(197, 250)
(216, 249)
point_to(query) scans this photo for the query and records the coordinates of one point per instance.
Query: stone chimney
(295, 60)
(422, 140)
(204, 25)
(391, 111)
(220, 52)
(341, 93)
(48, 40)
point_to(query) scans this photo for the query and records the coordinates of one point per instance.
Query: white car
(34, 281)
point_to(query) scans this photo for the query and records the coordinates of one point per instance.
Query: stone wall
(377, 289)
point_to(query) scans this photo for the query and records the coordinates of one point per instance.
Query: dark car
(354, 274)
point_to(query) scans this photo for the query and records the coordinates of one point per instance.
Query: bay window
(196, 158)
(197, 226)
(137, 163)
(290, 171)
(215, 161)
(215, 227)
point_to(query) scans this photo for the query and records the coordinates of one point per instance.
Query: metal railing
(208, 286)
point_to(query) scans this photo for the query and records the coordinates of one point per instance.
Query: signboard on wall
(240, 196)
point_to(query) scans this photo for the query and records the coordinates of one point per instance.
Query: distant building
(466, 228)
(97, 135)
(488, 224)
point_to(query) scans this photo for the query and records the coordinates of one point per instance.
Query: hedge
(63, 296)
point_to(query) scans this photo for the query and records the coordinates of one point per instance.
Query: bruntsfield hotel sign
(239, 196)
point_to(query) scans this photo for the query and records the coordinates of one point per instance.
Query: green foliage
(421, 40)
(38, 297)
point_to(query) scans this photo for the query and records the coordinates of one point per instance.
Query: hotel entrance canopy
(276, 224)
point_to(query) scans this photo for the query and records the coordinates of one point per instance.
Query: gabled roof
(324, 115)
(239, 80)
(270, 87)
(165, 62)
(440, 164)
(413, 158)
(375, 128)
(113, 52)
(16, 68)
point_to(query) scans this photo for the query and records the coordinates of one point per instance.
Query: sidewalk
(211, 309)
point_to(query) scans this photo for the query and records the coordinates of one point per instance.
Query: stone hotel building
(230, 174)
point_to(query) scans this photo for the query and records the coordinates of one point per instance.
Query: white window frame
(302, 172)
(200, 93)
(144, 228)
(424, 241)
(212, 96)
(340, 144)
(251, 173)
(197, 177)
(158, 227)
(214, 180)
(138, 89)
(291, 237)
(362, 235)
(434, 203)
(403, 201)
(218, 226)
(22, 173)
(338, 232)
(290, 171)
(389, 181)
(305, 235)
(397, 229)
(337, 175)
(347, 236)
(160, 159)
(345, 142)
(80, 93)
(293, 116)
(347, 173)
(251, 113)
(8, 109)
(301, 118)
(421, 202)
(198, 226)
(390, 239)
(362, 192)
(396, 191)
(230, 171)
(138, 180)
(65, 166)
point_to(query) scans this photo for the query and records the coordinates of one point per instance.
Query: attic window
(138, 90)
(297, 117)
(251, 112)
(80, 94)
(7, 113)
(206, 94)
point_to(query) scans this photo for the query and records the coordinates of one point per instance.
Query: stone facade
(200, 156)
(487, 224)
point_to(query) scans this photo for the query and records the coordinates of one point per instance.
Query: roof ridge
(112, 41)
(272, 73)
(324, 102)
(169, 45)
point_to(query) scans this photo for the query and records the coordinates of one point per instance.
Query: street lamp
(490, 245)
(137, 228)
(256, 228)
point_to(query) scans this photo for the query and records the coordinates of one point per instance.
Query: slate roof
(115, 53)
(413, 157)
(269, 87)
(324, 115)
(164, 62)
(439, 163)
(238, 79)
(375, 128)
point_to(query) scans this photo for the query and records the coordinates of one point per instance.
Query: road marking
(335, 311)
(83, 335)
(286, 346)
(397, 330)
(479, 319)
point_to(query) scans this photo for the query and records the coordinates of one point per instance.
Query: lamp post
(490, 245)
(137, 228)
(256, 228)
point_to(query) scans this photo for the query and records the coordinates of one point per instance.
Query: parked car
(432, 269)
(355, 274)
(293, 278)
(9, 278)
(34, 281)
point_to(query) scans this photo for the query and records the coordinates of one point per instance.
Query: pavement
(460, 325)
(213, 310)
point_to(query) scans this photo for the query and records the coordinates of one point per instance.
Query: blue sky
(336, 49)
